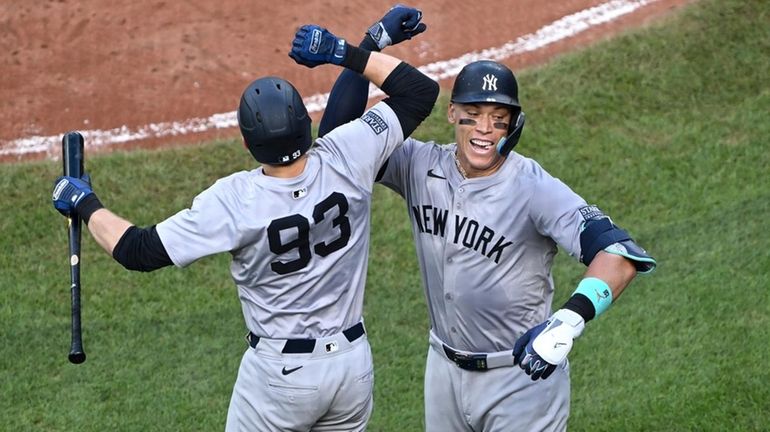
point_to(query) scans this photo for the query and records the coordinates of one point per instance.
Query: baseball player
(486, 222)
(297, 229)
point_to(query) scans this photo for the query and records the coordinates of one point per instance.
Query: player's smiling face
(478, 129)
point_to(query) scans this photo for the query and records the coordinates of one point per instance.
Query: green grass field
(665, 128)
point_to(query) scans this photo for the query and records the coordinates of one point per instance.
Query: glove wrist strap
(87, 206)
(580, 304)
(379, 35)
(368, 43)
(356, 58)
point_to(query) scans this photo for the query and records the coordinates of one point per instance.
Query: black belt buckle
(471, 362)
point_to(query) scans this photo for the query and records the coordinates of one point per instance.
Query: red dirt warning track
(96, 65)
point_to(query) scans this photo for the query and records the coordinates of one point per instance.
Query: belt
(305, 346)
(471, 362)
(479, 362)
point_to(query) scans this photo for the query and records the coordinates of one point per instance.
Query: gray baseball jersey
(299, 246)
(485, 245)
(299, 251)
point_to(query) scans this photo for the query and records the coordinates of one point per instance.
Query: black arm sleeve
(347, 100)
(140, 249)
(411, 96)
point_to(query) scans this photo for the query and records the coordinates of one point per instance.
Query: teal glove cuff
(597, 291)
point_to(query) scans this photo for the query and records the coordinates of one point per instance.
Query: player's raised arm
(350, 93)
(411, 93)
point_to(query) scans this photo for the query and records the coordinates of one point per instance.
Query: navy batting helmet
(487, 81)
(274, 122)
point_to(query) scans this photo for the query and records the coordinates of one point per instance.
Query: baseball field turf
(666, 128)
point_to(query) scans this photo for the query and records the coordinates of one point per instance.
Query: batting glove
(314, 45)
(543, 347)
(399, 24)
(68, 192)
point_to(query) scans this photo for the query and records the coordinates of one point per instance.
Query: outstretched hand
(314, 45)
(399, 24)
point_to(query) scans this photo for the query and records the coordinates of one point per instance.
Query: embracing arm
(378, 67)
(411, 93)
(350, 93)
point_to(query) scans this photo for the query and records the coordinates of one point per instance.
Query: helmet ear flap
(505, 145)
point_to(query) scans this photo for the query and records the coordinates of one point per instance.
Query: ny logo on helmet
(490, 83)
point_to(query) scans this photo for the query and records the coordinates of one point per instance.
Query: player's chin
(483, 161)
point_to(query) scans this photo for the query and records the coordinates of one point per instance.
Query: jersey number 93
(302, 241)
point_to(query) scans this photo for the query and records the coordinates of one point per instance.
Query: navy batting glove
(399, 24)
(68, 192)
(546, 345)
(314, 45)
(525, 356)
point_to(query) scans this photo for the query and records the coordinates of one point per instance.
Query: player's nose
(484, 124)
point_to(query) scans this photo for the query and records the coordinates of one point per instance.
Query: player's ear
(450, 113)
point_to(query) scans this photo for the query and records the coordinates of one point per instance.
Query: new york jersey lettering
(430, 219)
(468, 229)
(468, 233)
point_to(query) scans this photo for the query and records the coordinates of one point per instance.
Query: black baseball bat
(72, 157)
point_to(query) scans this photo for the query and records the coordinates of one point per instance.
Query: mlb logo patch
(299, 193)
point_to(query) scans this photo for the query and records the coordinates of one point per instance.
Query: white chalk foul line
(561, 29)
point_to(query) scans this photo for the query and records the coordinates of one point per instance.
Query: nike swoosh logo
(434, 175)
(288, 371)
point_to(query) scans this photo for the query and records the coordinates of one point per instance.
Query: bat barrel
(72, 154)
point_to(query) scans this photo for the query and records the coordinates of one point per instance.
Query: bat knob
(77, 357)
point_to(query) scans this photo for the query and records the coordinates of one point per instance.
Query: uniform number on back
(301, 226)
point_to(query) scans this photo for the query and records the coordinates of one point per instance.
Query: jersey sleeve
(556, 212)
(206, 228)
(395, 174)
(364, 144)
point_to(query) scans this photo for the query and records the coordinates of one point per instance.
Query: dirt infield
(95, 65)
